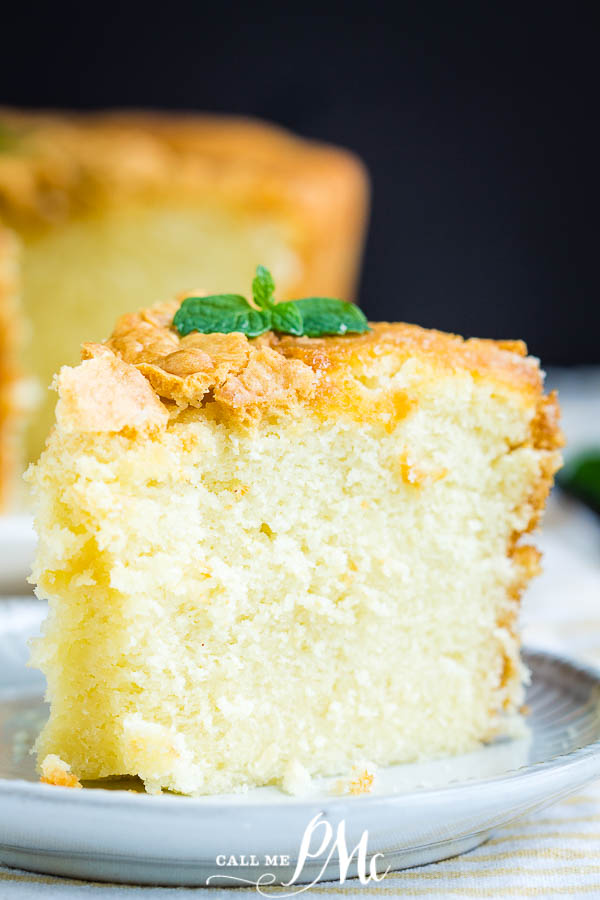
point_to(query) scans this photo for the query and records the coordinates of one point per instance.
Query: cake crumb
(413, 474)
(361, 780)
(56, 771)
(296, 779)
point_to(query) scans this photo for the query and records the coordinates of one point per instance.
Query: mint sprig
(310, 316)
(263, 288)
(220, 312)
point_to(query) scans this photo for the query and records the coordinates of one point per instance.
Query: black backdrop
(479, 129)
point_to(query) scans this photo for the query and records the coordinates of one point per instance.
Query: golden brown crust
(59, 166)
(362, 783)
(545, 436)
(546, 431)
(10, 340)
(106, 394)
(244, 380)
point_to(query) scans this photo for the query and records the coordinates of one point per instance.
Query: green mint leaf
(263, 288)
(221, 313)
(581, 477)
(287, 318)
(324, 315)
(311, 316)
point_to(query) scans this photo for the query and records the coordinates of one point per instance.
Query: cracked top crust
(239, 380)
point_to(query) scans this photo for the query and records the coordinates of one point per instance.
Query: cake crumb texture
(296, 779)
(56, 771)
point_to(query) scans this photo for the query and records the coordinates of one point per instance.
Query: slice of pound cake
(273, 537)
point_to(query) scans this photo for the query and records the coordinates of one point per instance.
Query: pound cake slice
(269, 552)
(118, 210)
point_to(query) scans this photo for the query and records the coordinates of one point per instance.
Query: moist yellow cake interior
(315, 559)
(77, 279)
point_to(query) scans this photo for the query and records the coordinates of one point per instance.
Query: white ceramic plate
(417, 814)
(17, 546)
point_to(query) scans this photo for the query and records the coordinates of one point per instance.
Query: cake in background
(11, 410)
(272, 553)
(115, 209)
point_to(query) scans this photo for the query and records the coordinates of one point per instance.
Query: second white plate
(17, 546)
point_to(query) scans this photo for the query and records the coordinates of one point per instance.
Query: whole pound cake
(117, 210)
(277, 551)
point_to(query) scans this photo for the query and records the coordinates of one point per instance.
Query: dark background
(479, 129)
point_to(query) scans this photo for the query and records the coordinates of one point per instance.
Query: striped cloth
(554, 853)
